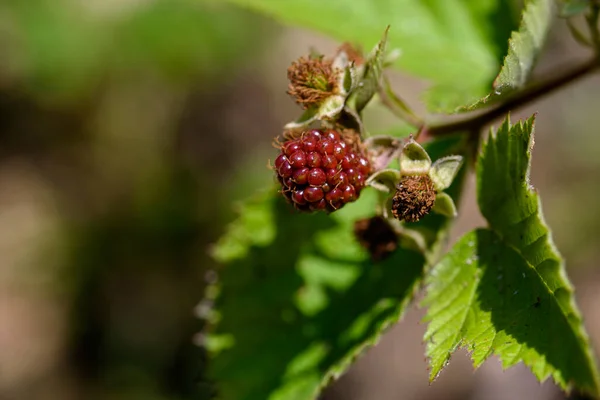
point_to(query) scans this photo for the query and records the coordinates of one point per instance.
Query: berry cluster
(319, 170)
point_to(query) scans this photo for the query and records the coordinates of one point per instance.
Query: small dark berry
(313, 133)
(334, 195)
(309, 144)
(339, 151)
(290, 148)
(348, 193)
(346, 162)
(327, 147)
(313, 194)
(320, 205)
(289, 183)
(332, 135)
(298, 197)
(342, 178)
(300, 176)
(328, 161)
(298, 159)
(286, 170)
(313, 159)
(280, 160)
(316, 177)
(333, 176)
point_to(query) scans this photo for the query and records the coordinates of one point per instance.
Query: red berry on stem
(321, 171)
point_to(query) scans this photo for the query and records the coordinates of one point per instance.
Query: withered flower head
(414, 198)
(312, 80)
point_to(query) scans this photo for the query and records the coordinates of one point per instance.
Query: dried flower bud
(414, 198)
(312, 81)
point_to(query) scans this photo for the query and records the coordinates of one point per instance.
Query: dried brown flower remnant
(312, 80)
(414, 198)
(377, 236)
(354, 54)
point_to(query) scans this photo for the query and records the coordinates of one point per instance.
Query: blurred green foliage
(63, 49)
(97, 96)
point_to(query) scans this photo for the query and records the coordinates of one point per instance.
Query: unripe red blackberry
(321, 170)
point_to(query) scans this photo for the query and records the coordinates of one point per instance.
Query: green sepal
(384, 180)
(414, 159)
(444, 170)
(444, 205)
(328, 110)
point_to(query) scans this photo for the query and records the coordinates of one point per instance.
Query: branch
(519, 99)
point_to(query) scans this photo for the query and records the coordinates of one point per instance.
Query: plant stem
(519, 99)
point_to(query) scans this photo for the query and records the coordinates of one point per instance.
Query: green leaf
(524, 263)
(451, 43)
(299, 299)
(370, 81)
(523, 50)
(486, 297)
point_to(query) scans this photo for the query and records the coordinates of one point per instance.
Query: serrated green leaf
(523, 259)
(454, 44)
(370, 81)
(299, 299)
(486, 297)
(523, 50)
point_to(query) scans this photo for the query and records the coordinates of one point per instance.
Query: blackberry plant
(300, 297)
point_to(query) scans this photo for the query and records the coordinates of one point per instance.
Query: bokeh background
(129, 129)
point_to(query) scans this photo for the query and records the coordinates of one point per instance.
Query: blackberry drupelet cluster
(321, 170)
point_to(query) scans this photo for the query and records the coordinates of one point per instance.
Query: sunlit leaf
(299, 299)
(523, 49)
(450, 43)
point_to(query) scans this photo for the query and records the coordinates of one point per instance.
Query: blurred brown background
(127, 130)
